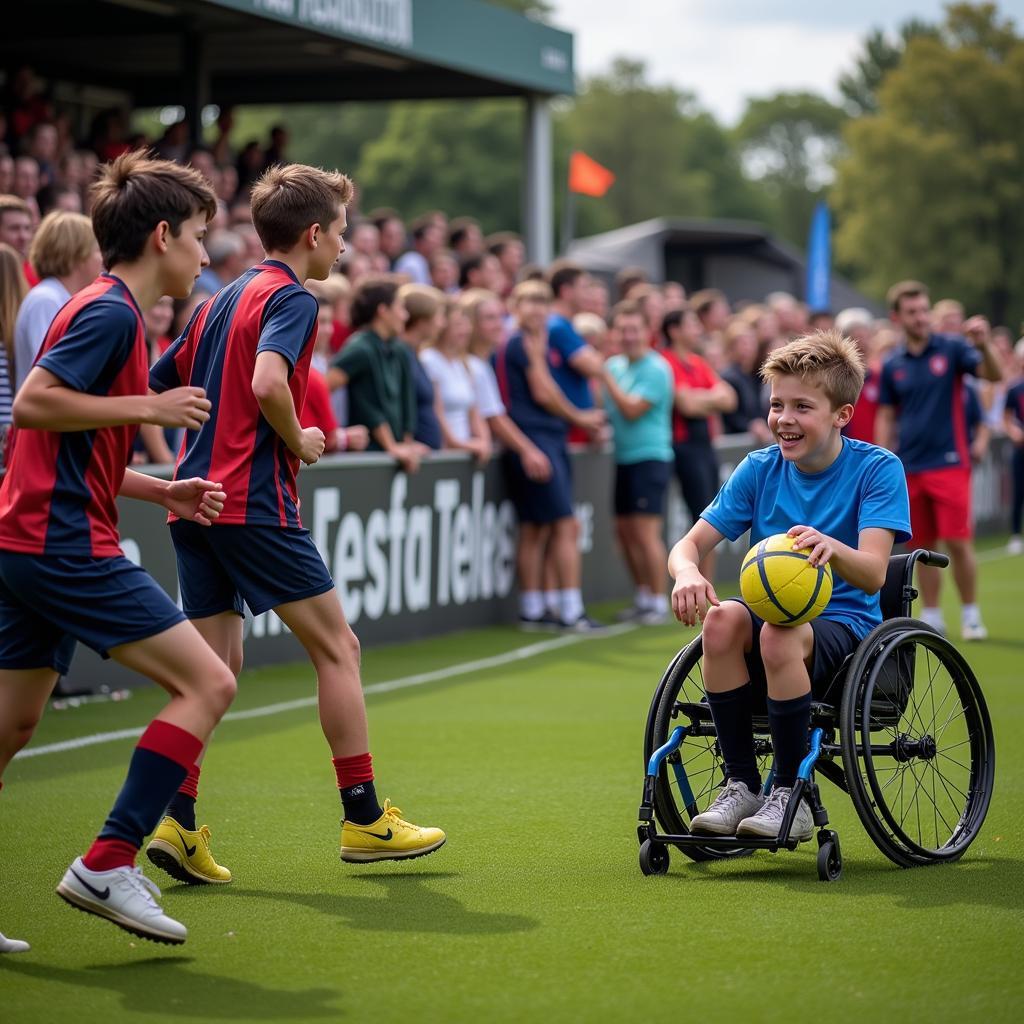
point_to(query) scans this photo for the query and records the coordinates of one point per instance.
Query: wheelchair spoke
(959, 764)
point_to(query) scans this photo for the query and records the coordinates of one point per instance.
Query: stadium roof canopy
(194, 52)
(741, 258)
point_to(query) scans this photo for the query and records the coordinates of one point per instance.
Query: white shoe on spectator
(1016, 545)
(973, 629)
(652, 617)
(933, 617)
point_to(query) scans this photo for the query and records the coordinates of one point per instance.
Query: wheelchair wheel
(917, 745)
(682, 690)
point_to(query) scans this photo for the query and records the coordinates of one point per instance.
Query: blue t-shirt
(927, 391)
(563, 344)
(864, 488)
(510, 363)
(648, 437)
(1015, 402)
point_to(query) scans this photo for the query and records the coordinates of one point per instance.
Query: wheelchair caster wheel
(653, 858)
(830, 859)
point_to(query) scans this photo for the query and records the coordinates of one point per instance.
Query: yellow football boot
(388, 838)
(185, 855)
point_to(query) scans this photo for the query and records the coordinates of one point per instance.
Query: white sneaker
(733, 803)
(973, 630)
(126, 897)
(12, 945)
(630, 613)
(1016, 545)
(933, 617)
(767, 822)
(652, 617)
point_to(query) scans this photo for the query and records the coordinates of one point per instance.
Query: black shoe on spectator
(547, 623)
(584, 624)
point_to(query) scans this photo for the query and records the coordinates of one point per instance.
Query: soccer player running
(921, 417)
(250, 347)
(63, 575)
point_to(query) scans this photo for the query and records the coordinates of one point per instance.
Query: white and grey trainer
(733, 803)
(13, 945)
(767, 822)
(124, 896)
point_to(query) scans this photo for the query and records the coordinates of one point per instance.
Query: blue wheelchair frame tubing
(673, 743)
(807, 764)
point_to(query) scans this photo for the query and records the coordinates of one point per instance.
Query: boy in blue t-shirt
(847, 501)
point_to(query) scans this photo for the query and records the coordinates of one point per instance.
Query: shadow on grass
(396, 903)
(979, 881)
(167, 984)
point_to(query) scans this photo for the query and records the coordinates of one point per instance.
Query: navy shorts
(640, 488)
(541, 503)
(48, 602)
(220, 567)
(833, 642)
(697, 472)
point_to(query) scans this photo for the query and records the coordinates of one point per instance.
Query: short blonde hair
(944, 306)
(63, 242)
(332, 289)
(825, 359)
(904, 290)
(532, 289)
(421, 302)
(589, 325)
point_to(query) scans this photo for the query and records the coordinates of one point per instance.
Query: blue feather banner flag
(819, 260)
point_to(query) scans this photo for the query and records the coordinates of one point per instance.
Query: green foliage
(789, 142)
(670, 157)
(933, 184)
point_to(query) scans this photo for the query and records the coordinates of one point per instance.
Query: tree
(789, 142)
(670, 158)
(933, 184)
(881, 55)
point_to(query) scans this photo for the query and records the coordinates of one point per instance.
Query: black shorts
(546, 502)
(640, 488)
(697, 472)
(833, 642)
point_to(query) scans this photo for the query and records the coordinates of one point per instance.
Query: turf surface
(536, 907)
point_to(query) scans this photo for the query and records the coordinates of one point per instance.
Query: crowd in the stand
(432, 336)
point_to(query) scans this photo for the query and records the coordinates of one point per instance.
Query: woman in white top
(487, 318)
(455, 400)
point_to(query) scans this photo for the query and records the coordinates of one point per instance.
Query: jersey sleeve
(95, 345)
(289, 324)
(966, 358)
(732, 511)
(170, 370)
(885, 503)
(564, 339)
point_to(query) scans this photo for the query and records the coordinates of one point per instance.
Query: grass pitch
(536, 907)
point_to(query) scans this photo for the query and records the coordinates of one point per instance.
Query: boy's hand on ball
(692, 595)
(195, 499)
(806, 538)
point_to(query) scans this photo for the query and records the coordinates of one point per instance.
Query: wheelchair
(903, 729)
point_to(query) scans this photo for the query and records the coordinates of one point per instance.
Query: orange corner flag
(588, 177)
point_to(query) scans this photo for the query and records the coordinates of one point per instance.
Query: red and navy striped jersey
(927, 392)
(58, 497)
(264, 310)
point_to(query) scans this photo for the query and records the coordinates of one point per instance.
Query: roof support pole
(537, 201)
(195, 82)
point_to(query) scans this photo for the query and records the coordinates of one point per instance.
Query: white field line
(403, 683)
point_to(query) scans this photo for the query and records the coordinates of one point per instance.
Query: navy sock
(789, 721)
(733, 713)
(360, 803)
(183, 810)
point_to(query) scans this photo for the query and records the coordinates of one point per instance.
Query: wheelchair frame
(870, 657)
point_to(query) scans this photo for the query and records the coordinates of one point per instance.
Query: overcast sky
(727, 50)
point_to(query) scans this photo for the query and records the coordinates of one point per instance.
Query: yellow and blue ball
(780, 585)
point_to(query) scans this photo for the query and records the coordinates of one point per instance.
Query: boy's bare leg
(727, 635)
(786, 653)
(23, 697)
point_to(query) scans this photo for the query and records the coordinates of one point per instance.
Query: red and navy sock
(161, 761)
(733, 714)
(355, 782)
(790, 722)
(182, 807)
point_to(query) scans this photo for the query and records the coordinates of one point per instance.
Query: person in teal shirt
(638, 400)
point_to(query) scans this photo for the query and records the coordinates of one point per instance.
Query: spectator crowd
(432, 336)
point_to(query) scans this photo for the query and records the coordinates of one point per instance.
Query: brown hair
(134, 194)
(904, 290)
(371, 292)
(702, 301)
(290, 198)
(421, 302)
(563, 273)
(626, 307)
(13, 289)
(825, 359)
(63, 243)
